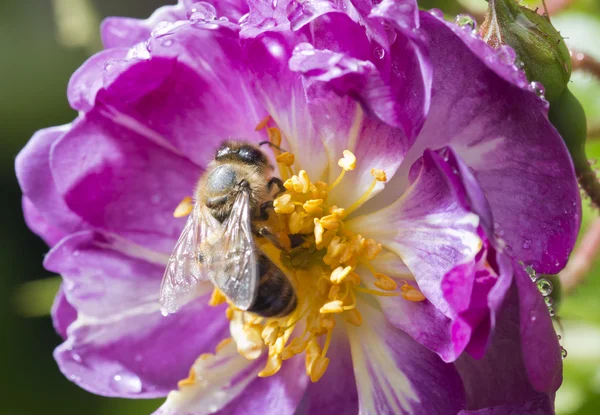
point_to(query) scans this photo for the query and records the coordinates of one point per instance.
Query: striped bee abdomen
(276, 296)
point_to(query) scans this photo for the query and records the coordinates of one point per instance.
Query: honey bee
(233, 199)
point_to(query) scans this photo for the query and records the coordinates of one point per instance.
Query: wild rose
(421, 169)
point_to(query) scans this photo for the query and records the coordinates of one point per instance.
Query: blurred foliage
(39, 55)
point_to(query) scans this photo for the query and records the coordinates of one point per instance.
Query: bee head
(242, 152)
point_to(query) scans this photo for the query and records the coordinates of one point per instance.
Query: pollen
(184, 208)
(325, 270)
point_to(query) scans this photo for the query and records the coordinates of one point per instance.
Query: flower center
(321, 268)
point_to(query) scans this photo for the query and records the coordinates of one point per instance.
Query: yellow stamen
(287, 159)
(371, 249)
(362, 199)
(313, 206)
(411, 293)
(330, 221)
(379, 175)
(274, 136)
(348, 162)
(385, 283)
(335, 306)
(283, 204)
(375, 292)
(338, 180)
(318, 368)
(338, 274)
(270, 333)
(273, 365)
(263, 123)
(312, 352)
(184, 208)
(216, 298)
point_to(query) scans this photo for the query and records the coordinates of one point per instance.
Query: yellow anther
(270, 333)
(313, 206)
(300, 222)
(347, 254)
(335, 306)
(379, 175)
(216, 298)
(411, 293)
(184, 208)
(320, 190)
(354, 317)
(273, 365)
(283, 204)
(318, 368)
(385, 283)
(304, 180)
(287, 159)
(348, 162)
(223, 343)
(330, 221)
(205, 356)
(190, 380)
(297, 345)
(318, 232)
(312, 352)
(229, 313)
(274, 136)
(340, 212)
(371, 249)
(334, 290)
(338, 274)
(263, 123)
(334, 250)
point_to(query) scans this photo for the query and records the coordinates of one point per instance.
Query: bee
(233, 199)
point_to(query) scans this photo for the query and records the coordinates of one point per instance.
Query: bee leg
(264, 214)
(275, 181)
(271, 237)
(270, 144)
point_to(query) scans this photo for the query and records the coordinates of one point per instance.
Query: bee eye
(251, 155)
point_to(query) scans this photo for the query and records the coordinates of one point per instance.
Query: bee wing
(234, 268)
(184, 270)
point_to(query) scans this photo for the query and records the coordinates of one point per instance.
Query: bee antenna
(270, 144)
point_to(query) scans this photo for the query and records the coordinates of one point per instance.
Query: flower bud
(537, 43)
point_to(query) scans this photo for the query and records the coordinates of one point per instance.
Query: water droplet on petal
(549, 301)
(527, 244)
(466, 21)
(108, 66)
(379, 52)
(537, 88)
(274, 4)
(223, 19)
(559, 337)
(74, 378)
(437, 13)
(545, 286)
(563, 352)
(126, 382)
(201, 12)
(305, 49)
(76, 357)
(519, 64)
(167, 43)
(551, 311)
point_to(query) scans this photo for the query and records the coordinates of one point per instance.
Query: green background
(41, 43)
